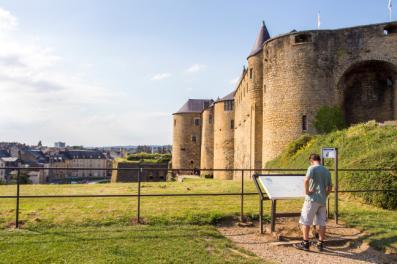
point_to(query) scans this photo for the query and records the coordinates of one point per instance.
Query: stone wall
(186, 141)
(242, 126)
(207, 141)
(283, 88)
(223, 141)
(248, 115)
(154, 172)
(303, 71)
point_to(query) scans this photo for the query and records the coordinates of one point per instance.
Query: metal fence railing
(244, 174)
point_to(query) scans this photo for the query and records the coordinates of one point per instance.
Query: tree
(328, 119)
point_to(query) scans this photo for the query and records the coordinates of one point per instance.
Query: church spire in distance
(263, 35)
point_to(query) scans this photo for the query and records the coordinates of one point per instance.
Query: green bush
(298, 144)
(328, 119)
(362, 146)
(149, 158)
(208, 176)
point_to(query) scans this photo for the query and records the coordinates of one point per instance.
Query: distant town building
(89, 164)
(59, 144)
(7, 162)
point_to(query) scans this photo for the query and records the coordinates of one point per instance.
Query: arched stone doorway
(367, 91)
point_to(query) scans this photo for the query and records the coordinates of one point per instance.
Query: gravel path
(344, 249)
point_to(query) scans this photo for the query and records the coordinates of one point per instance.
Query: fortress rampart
(289, 77)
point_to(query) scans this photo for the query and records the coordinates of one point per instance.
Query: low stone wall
(157, 172)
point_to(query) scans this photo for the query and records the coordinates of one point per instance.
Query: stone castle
(288, 78)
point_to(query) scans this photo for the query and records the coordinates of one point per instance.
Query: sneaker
(304, 245)
(320, 246)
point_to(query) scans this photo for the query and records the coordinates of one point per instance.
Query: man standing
(317, 186)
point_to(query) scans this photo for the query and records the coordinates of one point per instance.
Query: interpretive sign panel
(328, 153)
(283, 187)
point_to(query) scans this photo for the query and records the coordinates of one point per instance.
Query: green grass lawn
(121, 244)
(61, 225)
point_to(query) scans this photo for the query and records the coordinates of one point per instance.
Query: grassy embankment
(361, 146)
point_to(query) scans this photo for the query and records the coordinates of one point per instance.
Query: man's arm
(329, 187)
(309, 175)
(307, 191)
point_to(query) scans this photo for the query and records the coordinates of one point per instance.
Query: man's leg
(305, 231)
(322, 233)
(321, 219)
(309, 209)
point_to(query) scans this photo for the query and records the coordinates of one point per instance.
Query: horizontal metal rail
(160, 194)
(140, 169)
(191, 169)
(126, 195)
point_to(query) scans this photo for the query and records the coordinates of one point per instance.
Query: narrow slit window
(197, 121)
(232, 124)
(303, 38)
(304, 123)
(251, 73)
(228, 105)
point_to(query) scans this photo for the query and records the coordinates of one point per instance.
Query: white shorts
(313, 214)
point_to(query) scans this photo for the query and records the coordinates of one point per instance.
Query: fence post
(242, 197)
(336, 187)
(139, 196)
(261, 214)
(17, 206)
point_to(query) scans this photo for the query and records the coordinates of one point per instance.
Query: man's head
(314, 159)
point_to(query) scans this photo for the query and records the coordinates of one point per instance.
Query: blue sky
(112, 72)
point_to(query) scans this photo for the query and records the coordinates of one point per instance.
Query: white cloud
(196, 68)
(38, 96)
(161, 76)
(44, 98)
(7, 20)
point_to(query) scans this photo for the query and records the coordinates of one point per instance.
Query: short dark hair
(315, 157)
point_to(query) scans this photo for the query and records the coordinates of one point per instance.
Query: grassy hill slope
(361, 146)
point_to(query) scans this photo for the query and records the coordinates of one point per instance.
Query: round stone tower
(207, 140)
(255, 92)
(187, 134)
(293, 93)
(249, 107)
(224, 137)
(352, 68)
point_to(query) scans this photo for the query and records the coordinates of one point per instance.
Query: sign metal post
(332, 153)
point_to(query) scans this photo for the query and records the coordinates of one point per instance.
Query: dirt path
(344, 245)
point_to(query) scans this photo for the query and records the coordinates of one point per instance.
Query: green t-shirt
(319, 179)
